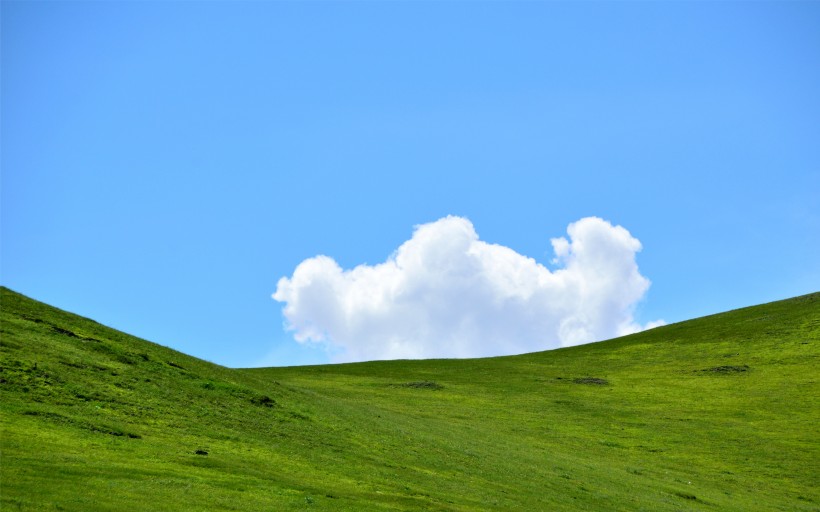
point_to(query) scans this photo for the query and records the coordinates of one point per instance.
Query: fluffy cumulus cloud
(445, 293)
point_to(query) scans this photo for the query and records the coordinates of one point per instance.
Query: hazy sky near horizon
(166, 164)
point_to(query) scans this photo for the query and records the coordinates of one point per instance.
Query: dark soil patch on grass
(33, 319)
(423, 384)
(58, 329)
(595, 381)
(226, 388)
(727, 369)
(686, 496)
(65, 332)
(263, 400)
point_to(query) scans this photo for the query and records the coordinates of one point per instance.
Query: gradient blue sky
(165, 163)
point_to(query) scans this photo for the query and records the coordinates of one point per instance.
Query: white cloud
(445, 293)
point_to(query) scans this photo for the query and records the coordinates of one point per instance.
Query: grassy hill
(717, 413)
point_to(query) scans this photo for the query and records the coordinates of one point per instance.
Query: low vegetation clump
(718, 413)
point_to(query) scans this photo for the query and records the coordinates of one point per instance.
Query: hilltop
(716, 413)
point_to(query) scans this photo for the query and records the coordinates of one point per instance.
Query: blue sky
(164, 164)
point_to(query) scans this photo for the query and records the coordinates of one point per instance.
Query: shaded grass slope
(717, 413)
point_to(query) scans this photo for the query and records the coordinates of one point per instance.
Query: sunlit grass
(718, 413)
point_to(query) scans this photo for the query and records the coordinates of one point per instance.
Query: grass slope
(718, 413)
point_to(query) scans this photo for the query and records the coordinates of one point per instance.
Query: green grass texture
(718, 413)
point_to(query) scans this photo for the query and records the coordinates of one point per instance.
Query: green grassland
(717, 413)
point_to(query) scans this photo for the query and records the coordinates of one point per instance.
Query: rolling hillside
(717, 413)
